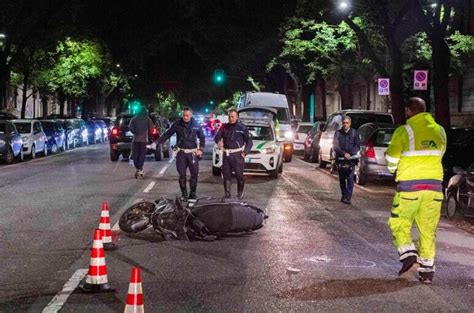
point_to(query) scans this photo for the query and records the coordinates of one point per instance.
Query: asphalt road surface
(313, 254)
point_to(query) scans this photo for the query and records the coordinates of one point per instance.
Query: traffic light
(206, 110)
(219, 77)
(134, 107)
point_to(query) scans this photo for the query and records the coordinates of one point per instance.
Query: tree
(166, 104)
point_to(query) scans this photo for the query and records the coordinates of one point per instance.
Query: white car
(266, 155)
(300, 136)
(33, 137)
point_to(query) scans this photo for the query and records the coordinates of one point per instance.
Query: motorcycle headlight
(268, 150)
(288, 134)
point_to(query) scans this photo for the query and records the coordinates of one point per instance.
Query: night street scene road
(237, 156)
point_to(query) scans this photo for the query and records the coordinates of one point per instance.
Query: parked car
(11, 144)
(83, 138)
(33, 137)
(266, 155)
(55, 135)
(94, 132)
(311, 144)
(301, 132)
(69, 133)
(374, 141)
(459, 150)
(105, 130)
(334, 123)
(121, 140)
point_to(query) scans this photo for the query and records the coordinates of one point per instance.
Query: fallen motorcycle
(203, 219)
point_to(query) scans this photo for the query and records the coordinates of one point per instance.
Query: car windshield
(282, 115)
(23, 128)
(359, 119)
(125, 120)
(304, 128)
(261, 133)
(3, 128)
(47, 125)
(382, 137)
(256, 114)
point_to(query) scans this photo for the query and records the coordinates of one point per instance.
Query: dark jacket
(186, 134)
(346, 142)
(140, 126)
(235, 136)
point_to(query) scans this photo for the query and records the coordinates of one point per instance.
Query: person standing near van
(415, 154)
(346, 144)
(235, 141)
(140, 126)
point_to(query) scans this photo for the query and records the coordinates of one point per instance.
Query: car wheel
(361, 178)
(114, 156)
(274, 173)
(159, 153)
(305, 155)
(280, 168)
(216, 171)
(166, 152)
(287, 157)
(453, 210)
(54, 148)
(10, 156)
(33, 152)
(322, 164)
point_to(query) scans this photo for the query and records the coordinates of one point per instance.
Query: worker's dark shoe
(346, 201)
(409, 268)
(426, 277)
(184, 190)
(192, 188)
(227, 184)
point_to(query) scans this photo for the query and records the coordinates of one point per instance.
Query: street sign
(384, 86)
(420, 80)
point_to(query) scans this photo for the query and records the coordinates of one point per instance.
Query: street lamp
(434, 5)
(343, 5)
(117, 65)
(3, 36)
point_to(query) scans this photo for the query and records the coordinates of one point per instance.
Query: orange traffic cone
(104, 227)
(96, 280)
(135, 293)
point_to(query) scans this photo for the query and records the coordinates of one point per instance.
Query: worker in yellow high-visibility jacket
(415, 153)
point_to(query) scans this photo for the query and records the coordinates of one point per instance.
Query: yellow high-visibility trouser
(424, 208)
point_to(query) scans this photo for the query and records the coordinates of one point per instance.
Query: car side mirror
(458, 170)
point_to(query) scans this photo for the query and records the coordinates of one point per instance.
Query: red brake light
(115, 131)
(369, 150)
(154, 131)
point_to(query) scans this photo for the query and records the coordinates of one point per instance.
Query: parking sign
(420, 80)
(384, 86)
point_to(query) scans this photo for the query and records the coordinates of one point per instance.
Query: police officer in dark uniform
(188, 151)
(235, 141)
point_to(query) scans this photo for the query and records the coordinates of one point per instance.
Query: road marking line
(61, 297)
(149, 187)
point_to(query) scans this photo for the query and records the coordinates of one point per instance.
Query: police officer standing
(233, 138)
(346, 144)
(189, 147)
(415, 153)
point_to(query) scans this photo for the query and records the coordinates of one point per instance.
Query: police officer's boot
(184, 190)
(193, 186)
(240, 189)
(227, 184)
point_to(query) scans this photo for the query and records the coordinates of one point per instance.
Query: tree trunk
(441, 60)
(396, 82)
(347, 98)
(322, 88)
(44, 104)
(4, 75)
(24, 95)
(61, 99)
(367, 91)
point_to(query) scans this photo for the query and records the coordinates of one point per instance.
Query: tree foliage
(167, 104)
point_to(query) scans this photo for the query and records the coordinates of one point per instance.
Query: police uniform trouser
(233, 162)
(184, 161)
(424, 208)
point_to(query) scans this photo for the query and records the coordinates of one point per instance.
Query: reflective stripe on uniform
(392, 159)
(392, 168)
(411, 137)
(422, 153)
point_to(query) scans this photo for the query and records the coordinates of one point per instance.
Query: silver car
(33, 136)
(374, 140)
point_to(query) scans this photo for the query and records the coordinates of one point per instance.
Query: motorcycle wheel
(453, 210)
(137, 217)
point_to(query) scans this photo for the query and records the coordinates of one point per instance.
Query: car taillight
(369, 150)
(154, 131)
(115, 131)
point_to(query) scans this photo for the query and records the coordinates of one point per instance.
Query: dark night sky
(186, 40)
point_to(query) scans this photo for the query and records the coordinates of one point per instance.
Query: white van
(280, 104)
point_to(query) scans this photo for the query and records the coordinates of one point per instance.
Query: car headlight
(25, 139)
(268, 150)
(288, 134)
(2, 142)
(84, 132)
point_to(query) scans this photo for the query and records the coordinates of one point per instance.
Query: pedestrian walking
(415, 153)
(140, 126)
(346, 145)
(234, 139)
(190, 142)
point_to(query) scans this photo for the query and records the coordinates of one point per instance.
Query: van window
(334, 122)
(283, 115)
(359, 119)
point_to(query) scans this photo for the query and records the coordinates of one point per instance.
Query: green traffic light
(206, 110)
(219, 77)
